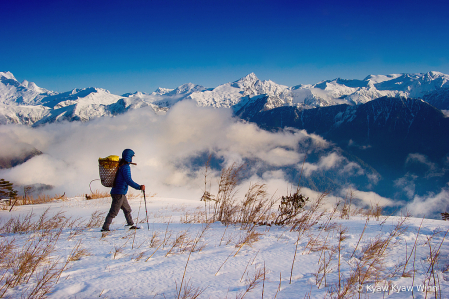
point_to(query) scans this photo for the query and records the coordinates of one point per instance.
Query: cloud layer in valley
(163, 144)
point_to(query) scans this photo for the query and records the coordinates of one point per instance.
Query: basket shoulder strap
(121, 163)
(115, 177)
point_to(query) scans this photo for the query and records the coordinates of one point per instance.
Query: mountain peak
(31, 85)
(434, 74)
(161, 90)
(249, 78)
(381, 78)
(7, 75)
(187, 88)
(246, 82)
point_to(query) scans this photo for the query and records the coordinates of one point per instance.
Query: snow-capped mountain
(166, 98)
(26, 103)
(233, 93)
(37, 106)
(326, 93)
(86, 104)
(396, 85)
(12, 92)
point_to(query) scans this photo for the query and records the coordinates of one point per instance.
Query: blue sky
(139, 45)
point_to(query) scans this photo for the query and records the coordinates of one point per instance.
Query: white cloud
(308, 168)
(419, 158)
(370, 199)
(333, 160)
(430, 205)
(373, 177)
(433, 170)
(407, 184)
(161, 143)
(351, 169)
(330, 161)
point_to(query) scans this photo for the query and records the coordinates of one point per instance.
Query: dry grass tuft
(370, 265)
(78, 253)
(31, 200)
(97, 194)
(34, 264)
(96, 219)
(374, 211)
(225, 207)
(249, 238)
(194, 217)
(44, 224)
(252, 282)
(188, 291)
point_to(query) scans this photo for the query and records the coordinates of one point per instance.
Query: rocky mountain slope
(398, 137)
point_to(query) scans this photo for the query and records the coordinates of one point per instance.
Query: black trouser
(119, 201)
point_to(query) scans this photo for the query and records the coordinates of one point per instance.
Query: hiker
(118, 193)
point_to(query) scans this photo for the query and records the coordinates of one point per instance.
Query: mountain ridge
(26, 103)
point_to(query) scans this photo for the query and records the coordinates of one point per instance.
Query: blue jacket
(123, 178)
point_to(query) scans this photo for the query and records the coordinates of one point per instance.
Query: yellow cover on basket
(109, 162)
(108, 168)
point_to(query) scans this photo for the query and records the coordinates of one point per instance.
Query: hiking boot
(105, 230)
(134, 227)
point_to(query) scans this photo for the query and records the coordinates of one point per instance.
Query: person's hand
(142, 187)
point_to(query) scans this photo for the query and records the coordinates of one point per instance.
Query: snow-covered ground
(138, 264)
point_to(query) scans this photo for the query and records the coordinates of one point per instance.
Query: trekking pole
(146, 211)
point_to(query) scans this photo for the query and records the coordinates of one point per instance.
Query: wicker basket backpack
(108, 168)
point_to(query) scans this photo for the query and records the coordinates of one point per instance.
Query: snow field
(213, 259)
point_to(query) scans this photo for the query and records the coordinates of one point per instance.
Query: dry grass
(77, 226)
(34, 266)
(118, 249)
(374, 211)
(97, 194)
(194, 217)
(306, 218)
(134, 195)
(34, 263)
(31, 200)
(180, 242)
(185, 289)
(78, 253)
(255, 208)
(225, 206)
(432, 280)
(188, 291)
(370, 265)
(252, 282)
(96, 219)
(44, 224)
(249, 238)
(154, 240)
